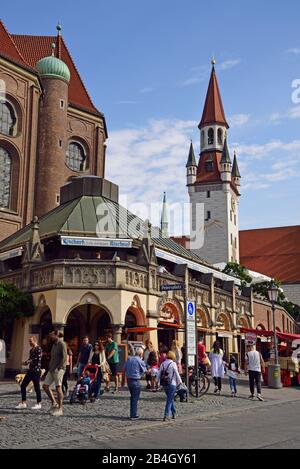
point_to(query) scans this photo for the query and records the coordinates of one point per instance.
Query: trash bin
(274, 377)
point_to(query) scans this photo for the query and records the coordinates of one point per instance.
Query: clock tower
(214, 191)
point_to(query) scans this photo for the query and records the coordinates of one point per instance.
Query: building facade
(50, 131)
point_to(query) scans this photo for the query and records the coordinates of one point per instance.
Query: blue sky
(147, 65)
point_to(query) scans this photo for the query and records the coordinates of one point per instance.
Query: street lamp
(274, 370)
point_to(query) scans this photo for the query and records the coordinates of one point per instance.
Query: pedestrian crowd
(163, 369)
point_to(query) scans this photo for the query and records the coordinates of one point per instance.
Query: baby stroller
(82, 394)
(181, 393)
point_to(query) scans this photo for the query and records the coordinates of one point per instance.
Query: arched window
(76, 157)
(202, 138)
(5, 178)
(220, 136)
(7, 118)
(211, 136)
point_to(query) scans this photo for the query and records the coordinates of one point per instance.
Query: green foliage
(14, 303)
(239, 271)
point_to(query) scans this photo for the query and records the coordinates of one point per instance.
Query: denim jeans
(97, 384)
(134, 387)
(232, 384)
(170, 406)
(80, 369)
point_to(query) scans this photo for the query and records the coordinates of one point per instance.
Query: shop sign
(167, 315)
(250, 338)
(95, 242)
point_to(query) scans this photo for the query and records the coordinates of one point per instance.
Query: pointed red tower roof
(8, 47)
(213, 112)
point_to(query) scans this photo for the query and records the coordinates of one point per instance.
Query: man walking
(84, 354)
(254, 365)
(112, 356)
(134, 369)
(57, 368)
(33, 374)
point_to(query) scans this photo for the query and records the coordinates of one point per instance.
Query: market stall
(288, 351)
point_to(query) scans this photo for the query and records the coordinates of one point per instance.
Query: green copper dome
(53, 67)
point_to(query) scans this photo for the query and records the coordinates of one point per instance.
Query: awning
(280, 335)
(141, 329)
(170, 324)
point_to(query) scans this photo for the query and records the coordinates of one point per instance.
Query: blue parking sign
(191, 308)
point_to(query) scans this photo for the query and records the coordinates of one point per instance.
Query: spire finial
(213, 60)
(58, 27)
(52, 48)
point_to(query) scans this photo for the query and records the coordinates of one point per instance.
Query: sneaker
(37, 406)
(135, 418)
(57, 412)
(165, 419)
(174, 416)
(22, 405)
(232, 394)
(216, 390)
(251, 397)
(259, 397)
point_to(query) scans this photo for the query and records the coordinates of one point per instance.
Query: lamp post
(274, 370)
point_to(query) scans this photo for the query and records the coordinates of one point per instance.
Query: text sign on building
(191, 327)
(172, 287)
(250, 338)
(96, 242)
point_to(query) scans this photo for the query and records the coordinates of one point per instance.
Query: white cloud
(238, 120)
(228, 64)
(146, 90)
(292, 113)
(148, 160)
(295, 50)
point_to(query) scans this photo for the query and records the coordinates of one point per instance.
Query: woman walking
(217, 366)
(176, 349)
(149, 348)
(98, 358)
(169, 378)
(33, 374)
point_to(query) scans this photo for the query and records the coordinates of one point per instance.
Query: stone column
(117, 332)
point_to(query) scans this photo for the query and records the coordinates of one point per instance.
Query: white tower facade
(214, 194)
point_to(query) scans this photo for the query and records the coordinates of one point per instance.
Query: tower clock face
(233, 204)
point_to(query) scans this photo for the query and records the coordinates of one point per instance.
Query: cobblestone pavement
(108, 418)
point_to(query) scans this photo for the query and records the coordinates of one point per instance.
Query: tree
(239, 271)
(261, 289)
(14, 303)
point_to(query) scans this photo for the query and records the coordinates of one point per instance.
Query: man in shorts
(112, 356)
(57, 368)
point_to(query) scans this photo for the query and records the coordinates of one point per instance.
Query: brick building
(50, 130)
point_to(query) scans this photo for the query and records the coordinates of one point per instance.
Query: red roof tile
(213, 112)
(7, 46)
(272, 251)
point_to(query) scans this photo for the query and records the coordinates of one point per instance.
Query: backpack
(165, 380)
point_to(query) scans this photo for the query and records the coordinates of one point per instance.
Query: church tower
(214, 191)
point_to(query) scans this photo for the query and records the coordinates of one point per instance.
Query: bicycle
(203, 382)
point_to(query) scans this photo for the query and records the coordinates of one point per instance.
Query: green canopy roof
(82, 216)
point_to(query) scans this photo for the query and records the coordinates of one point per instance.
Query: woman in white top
(169, 378)
(217, 366)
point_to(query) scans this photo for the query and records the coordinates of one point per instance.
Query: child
(84, 382)
(153, 364)
(232, 372)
